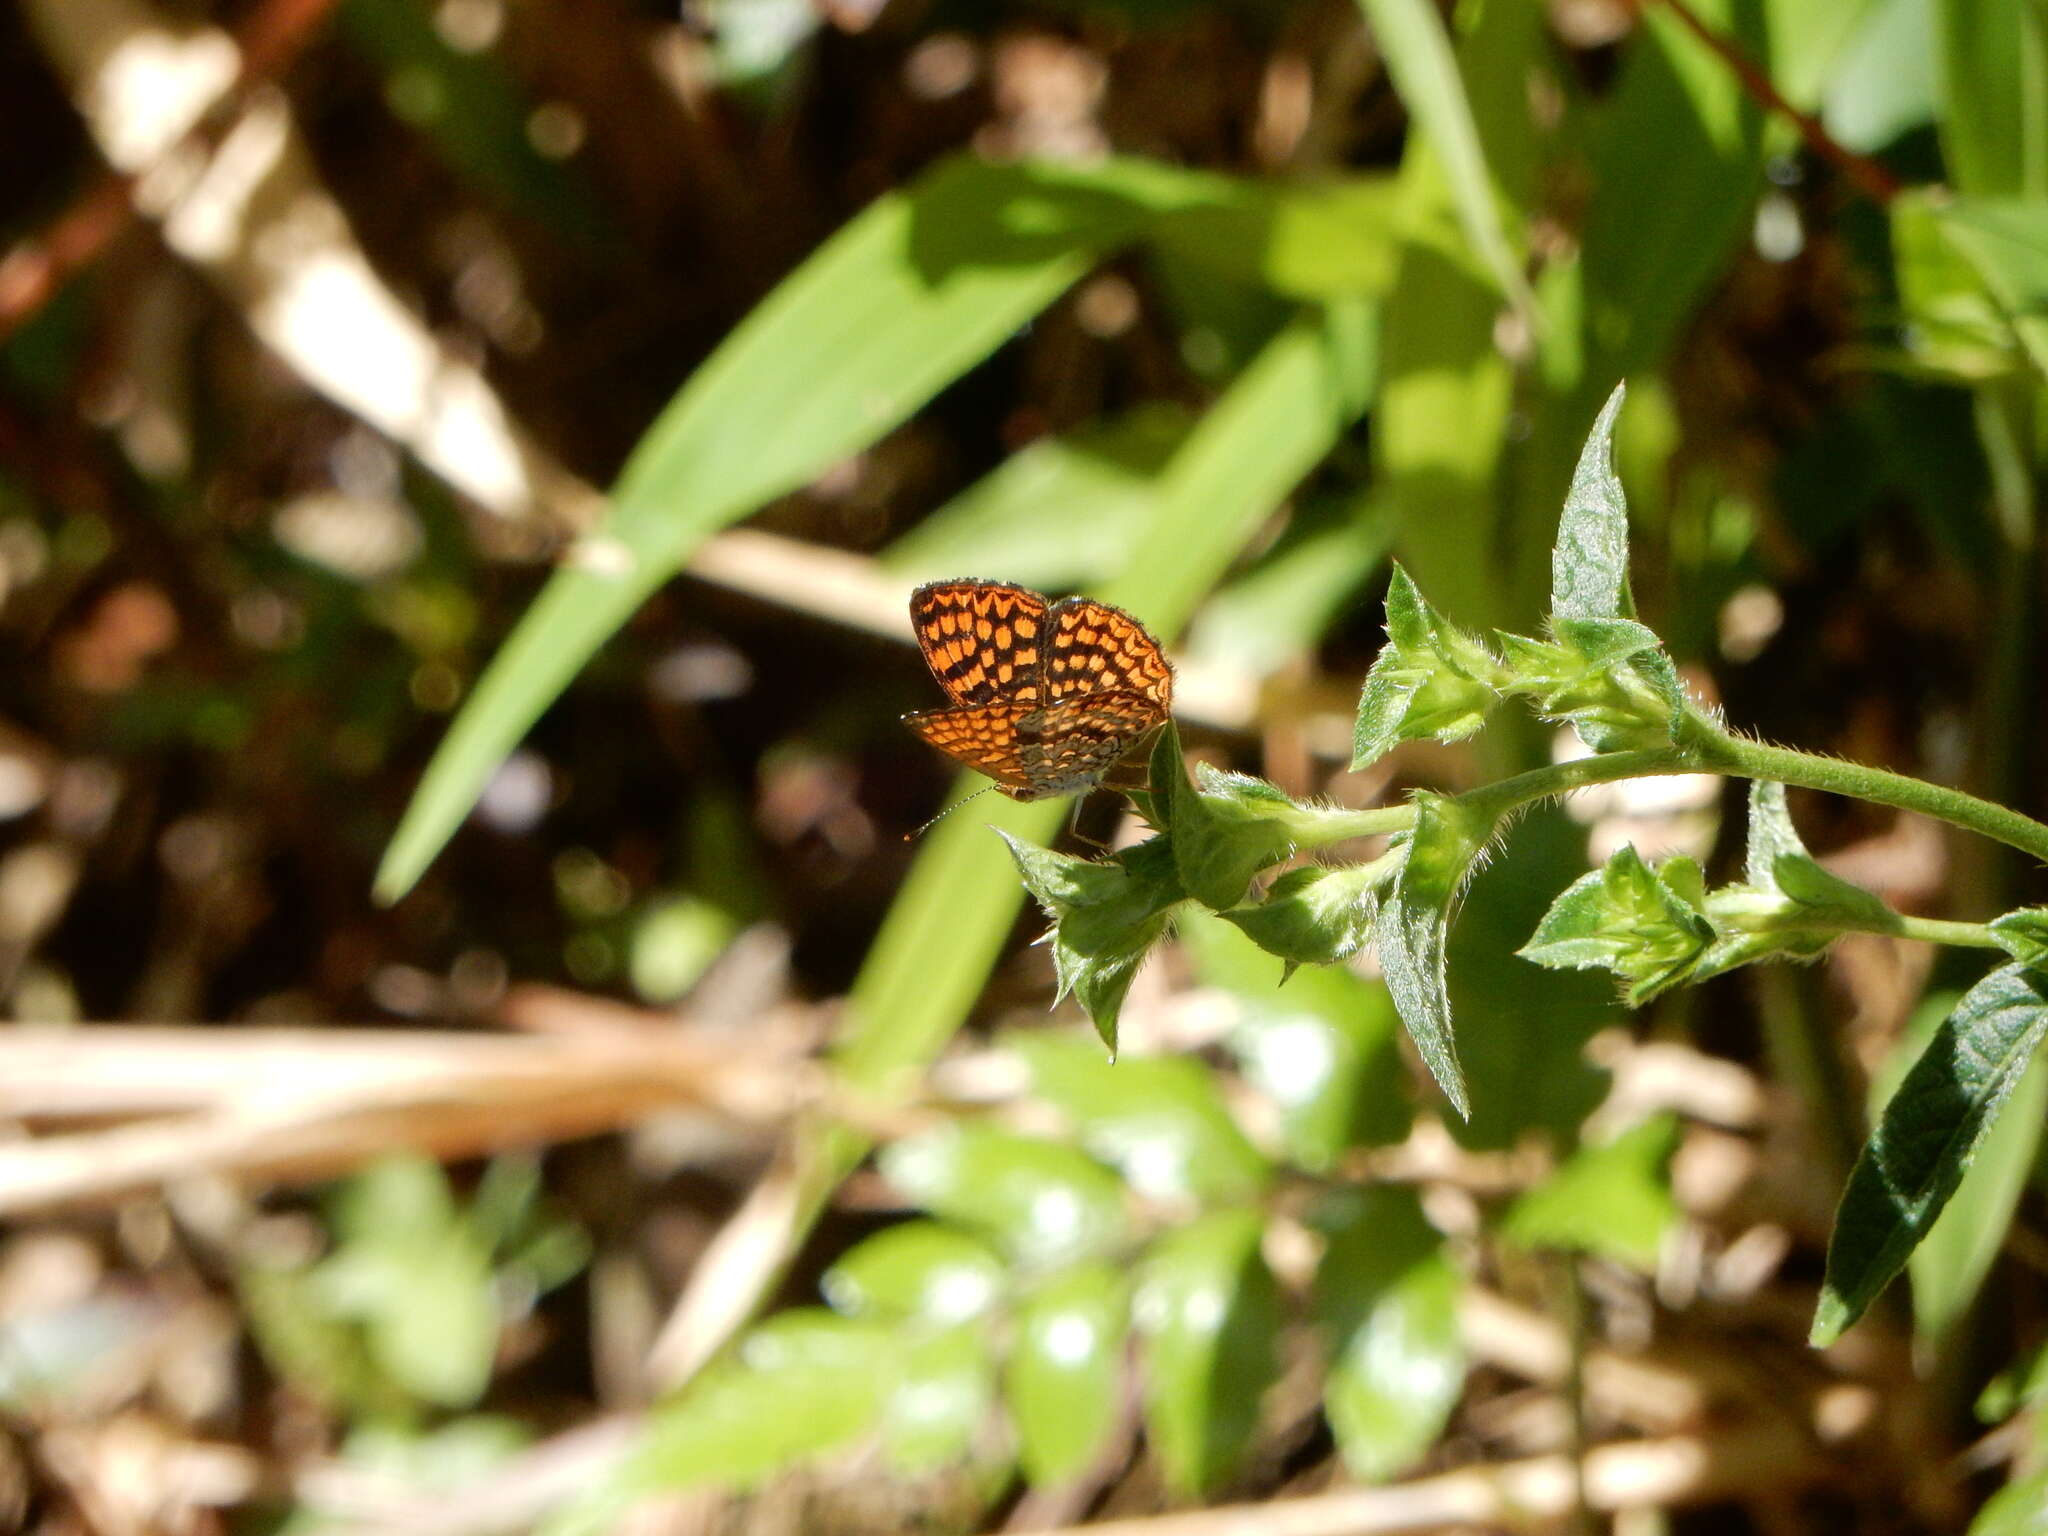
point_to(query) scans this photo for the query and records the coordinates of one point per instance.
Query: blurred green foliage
(1392, 349)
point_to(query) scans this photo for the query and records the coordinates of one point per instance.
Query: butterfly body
(1046, 698)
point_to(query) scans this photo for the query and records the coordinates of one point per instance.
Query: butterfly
(1046, 698)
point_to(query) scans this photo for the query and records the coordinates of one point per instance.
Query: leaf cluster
(1659, 928)
(1000, 1332)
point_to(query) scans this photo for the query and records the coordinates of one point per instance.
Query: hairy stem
(1711, 747)
(1580, 773)
(1314, 827)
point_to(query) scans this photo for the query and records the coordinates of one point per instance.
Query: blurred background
(462, 463)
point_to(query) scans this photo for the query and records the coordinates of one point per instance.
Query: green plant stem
(1763, 912)
(1704, 747)
(1317, 828)
(1710, 747)
(1580, 773)
(1928, 930)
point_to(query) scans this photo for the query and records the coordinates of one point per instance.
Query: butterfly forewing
(1094, 648)
(982, 639)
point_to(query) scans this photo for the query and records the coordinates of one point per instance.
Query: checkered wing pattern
(1046, 698)
(985, 738)
(1094, 648)
(982, 640)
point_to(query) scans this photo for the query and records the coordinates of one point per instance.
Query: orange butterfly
(1046, 697)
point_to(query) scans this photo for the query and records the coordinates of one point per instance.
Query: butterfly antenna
(911, 837)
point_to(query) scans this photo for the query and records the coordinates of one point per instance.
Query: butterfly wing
(1092, 648)
(1066, 748)
(984, 737)
(983, 640)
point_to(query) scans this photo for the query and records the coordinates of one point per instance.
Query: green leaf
(1314, 916)
(2023, 934)
(804, 1383)
(1105, 907)
(1161, 1119)
(1589, 563)
(2006, 246)
(1930, 1131)
(1524, 1081)
(1386, 1296)
(1411, 37)
(1277, 609)
(1949, 1266)
(1099, 983)
(2022, 1384)
(1209, 1312)
(1954, 328)
(2020, 1508)
(1993, 57)
(417, 1278)
(1414, 922)
(923, 1270)
(436, 1333)
(1278, 419)
(404, 1196)
(318, 1351)
(1806, 39)
(1063, 1381)
(1775, 859)
(1101, 477)
(944, 1390)
(1661, 227)
(1787, 906)
(1224, 834)
(1106, 915)
(1043, 1202)
(1610, 678)
(1430, 679)
(918, 288)
(1613, 1200)
(1313, 240)
(1883, 85)
(1622, 917)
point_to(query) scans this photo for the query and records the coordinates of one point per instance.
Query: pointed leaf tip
(1589, 566)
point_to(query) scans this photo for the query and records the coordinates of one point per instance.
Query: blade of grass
(917, 289)
(1418, 52)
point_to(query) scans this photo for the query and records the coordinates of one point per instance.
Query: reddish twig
(32, 273)
(37, 268)
(1870, 178)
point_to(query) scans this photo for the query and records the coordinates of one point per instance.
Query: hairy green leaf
(1429, 680)
(1930, 1131)
(1589, 563)
(1624, 918)
(1412, 928)
(1314, 916)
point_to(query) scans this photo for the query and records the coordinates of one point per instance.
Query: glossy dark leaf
(1930, 1131)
